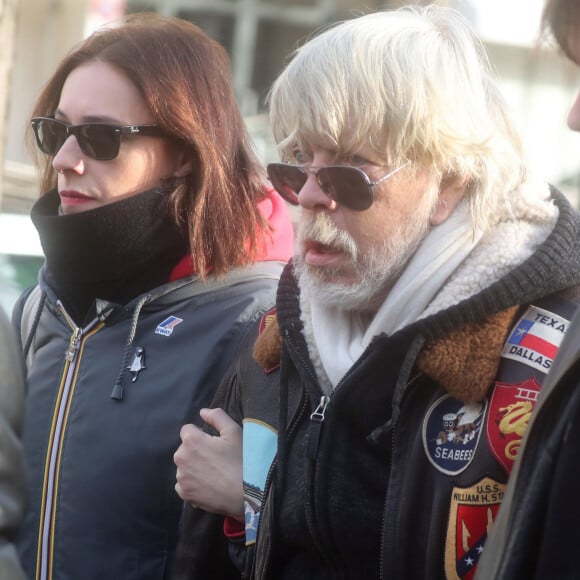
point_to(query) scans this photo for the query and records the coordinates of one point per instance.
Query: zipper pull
(73, 345)
(315, 429)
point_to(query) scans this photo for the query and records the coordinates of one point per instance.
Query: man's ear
(451, 192)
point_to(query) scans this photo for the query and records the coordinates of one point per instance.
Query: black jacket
(400, 473)
(536, 534)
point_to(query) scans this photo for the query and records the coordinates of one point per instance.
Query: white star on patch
(479, 549)
(469, 561)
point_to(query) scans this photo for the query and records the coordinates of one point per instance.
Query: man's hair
(415, 85)
(184, 77)
(561, 18)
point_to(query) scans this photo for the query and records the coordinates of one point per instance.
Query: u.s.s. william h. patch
(510, 410)
(451, 431)
(471, 516)
(535, 339)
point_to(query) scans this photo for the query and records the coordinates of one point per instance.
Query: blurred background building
(260, 35)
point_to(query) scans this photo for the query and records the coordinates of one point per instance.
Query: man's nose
(311, 196)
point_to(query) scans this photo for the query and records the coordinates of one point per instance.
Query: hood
(278, 246)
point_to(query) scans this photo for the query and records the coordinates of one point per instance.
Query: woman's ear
(183, 163)
(451, 192)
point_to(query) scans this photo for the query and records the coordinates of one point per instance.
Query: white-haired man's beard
(371, 274)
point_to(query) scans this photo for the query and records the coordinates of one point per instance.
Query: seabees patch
(471, 516)
(535, 339)
(510, 409)
(451, 431)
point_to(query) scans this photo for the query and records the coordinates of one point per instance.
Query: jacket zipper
(266, 559)
(316, 419)
(261, 567)
(51, 473)
(411, 382)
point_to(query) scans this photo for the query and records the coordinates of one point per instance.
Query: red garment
(279, 246)
(233, 528)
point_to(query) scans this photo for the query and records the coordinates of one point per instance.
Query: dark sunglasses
(347, 185)
(100, 141)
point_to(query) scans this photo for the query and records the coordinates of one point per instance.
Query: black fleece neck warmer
(114, 252)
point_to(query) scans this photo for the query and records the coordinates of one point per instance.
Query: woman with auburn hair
(162, 246)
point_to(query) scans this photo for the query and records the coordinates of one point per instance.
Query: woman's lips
(72, 197)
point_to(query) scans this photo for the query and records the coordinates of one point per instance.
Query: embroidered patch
(536, 338)
(259, 448)
(510, 409)
(471, 516)
(168, 325)
(266, 320)
(451, 431)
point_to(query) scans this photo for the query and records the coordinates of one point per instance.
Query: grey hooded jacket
(105, 406)
(12, 480)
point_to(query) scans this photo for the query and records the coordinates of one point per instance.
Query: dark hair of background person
(185, 79)
(560, 17)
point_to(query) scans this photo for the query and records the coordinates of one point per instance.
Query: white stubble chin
(360, 282)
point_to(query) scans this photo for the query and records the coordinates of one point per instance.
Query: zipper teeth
(309, 514)
(302, 360)
(50, 478)
(268, 483)
(51, 473)
(410, 382)
(269, 477)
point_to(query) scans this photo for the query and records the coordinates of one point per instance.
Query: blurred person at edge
(12, 475)
(163, 245)
(536, 534)
(378, 402)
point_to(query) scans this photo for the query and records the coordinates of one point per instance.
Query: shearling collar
(464, 339)
(464, 363)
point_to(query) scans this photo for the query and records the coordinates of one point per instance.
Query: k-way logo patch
(510, 409)
(471, 516)
(536, 338)
(166, 327)
(451, 431)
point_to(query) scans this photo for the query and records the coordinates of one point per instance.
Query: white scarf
(452, 263)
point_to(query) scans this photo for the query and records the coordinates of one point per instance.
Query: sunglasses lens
(50, 136)
(347, 186)
(99, 141)
(287, 180)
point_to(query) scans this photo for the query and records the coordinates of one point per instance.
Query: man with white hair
(433, 278)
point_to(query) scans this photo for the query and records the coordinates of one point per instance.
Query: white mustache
(320, 229)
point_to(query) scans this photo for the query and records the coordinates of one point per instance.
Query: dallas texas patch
(536, 338)
(451, 431)
(510, 409)
(471, 516)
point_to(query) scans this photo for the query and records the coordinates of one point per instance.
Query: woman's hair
(415, 85)
(185, 79)
(561, 18)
